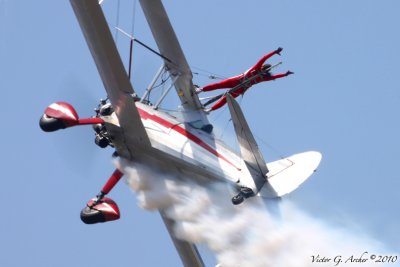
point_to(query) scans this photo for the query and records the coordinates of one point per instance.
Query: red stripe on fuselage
(184, 132)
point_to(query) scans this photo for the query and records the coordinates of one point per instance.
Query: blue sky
(343, 101)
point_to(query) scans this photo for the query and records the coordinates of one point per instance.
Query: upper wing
(170, 48)
(112, 72)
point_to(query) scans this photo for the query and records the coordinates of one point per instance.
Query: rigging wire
(219, 115)
(131, 40)
(265, 143)
(162, 83)
(117, 20)
(206, 73)
(144, 45)
(273, 149)
(229, 121)
(224, 128)
(133, 17)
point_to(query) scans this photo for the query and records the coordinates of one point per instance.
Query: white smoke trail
(248, 235)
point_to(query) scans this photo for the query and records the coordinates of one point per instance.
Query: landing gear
(244, 192)
(247, 192)
(99, 210)
(61, 115)
(238, 199)
(102, 209)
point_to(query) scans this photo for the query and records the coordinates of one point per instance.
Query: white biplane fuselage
(207, 158)
(181, 140)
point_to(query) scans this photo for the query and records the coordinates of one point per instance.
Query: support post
(166, 92)
(150, 87)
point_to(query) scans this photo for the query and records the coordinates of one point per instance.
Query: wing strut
(165, 93)
(170, 48)
(152, 83)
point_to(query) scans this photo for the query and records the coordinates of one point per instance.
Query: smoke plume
(253, 234)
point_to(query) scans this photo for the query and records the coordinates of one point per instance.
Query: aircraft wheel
(247, 192)
(239, 198)
(92, 216)
(49, 124)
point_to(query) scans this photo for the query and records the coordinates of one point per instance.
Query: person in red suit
(256, 74)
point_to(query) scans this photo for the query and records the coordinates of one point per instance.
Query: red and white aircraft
(142, 132)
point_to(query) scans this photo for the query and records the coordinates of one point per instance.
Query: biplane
(140, 131)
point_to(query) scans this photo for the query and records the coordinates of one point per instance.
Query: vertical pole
(166, 92)
(150, 87)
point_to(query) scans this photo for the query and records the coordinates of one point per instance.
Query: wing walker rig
(62, 115)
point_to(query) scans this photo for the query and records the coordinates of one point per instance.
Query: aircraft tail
(277, 178)
(249, 149)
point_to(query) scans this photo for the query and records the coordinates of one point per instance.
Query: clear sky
(344, 101)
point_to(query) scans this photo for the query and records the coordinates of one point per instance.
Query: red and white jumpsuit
(245, 80)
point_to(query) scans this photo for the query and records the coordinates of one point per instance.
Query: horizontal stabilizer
(287, 174)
